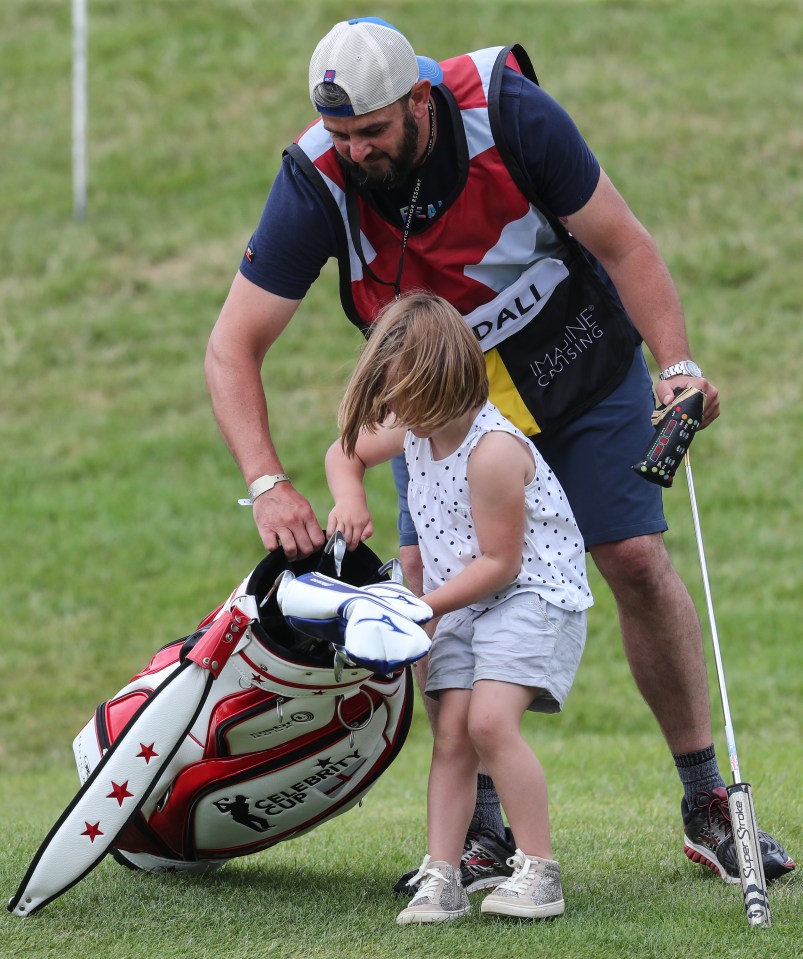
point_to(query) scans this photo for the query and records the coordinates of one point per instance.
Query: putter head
(748, 852)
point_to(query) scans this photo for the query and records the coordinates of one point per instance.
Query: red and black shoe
(485, 860)
(482, 866)
(709, 839)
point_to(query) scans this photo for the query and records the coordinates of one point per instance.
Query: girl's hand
(351, 517)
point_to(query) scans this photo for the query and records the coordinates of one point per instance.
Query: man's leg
(621, 519)
(663, 643)
(662, 637)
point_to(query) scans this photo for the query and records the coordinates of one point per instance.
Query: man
(467, 180)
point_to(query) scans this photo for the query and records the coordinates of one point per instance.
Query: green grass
(118, 523)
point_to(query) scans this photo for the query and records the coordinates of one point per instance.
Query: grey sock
(488, 811)
(698, 771)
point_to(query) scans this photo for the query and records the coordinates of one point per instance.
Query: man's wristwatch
(684, 368)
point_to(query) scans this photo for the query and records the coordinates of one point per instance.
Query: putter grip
(675, 427)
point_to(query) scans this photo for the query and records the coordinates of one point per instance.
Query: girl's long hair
(421, 364)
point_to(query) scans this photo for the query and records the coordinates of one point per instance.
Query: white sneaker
(440, 895)
(532, 892)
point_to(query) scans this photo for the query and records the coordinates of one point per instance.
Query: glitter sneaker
(439, 897)
(532, 892)
(709, 839)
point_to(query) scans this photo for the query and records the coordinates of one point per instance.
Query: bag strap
(520, 178)
(127, 774)
(313, 175)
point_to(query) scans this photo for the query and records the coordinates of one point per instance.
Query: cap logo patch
(329, 76)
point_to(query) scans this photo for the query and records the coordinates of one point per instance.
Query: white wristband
(262, 484)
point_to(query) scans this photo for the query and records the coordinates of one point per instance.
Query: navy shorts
(591, 458)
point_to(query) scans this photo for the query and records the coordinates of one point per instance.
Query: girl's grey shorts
(524, 640)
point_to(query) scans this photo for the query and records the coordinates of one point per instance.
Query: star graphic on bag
(92, 830)
(119, 792)
(147, 753)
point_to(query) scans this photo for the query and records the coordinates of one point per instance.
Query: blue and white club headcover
(376, 628)
(400, 599)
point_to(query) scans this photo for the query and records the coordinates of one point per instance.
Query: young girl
(504, 566)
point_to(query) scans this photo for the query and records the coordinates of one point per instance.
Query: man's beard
(398, 168)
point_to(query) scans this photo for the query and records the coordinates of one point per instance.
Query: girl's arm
(498, 470)
(344, 475)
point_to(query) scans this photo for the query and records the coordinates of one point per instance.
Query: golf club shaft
(723, 692)
(740, 797)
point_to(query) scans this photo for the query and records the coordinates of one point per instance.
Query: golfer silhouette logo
(239, 811)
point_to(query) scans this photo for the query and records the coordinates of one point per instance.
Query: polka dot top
(553, 555)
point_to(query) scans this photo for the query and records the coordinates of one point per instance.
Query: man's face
(377, 150)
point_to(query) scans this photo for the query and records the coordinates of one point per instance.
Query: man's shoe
(440, 895)
(484, 863)
(709, 839)
(533, 891)
(482, 866)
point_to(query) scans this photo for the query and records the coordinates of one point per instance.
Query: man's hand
(285, 518)
(665, 392)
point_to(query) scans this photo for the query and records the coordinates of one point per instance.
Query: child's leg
(494, 720)
(452, 778)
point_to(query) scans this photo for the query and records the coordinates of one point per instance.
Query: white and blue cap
(372, 62)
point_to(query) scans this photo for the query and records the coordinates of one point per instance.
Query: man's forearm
(608, 229)
(250, 322)
(649, 295)
(240, 408)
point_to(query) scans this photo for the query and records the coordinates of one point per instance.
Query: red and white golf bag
(278, 713)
